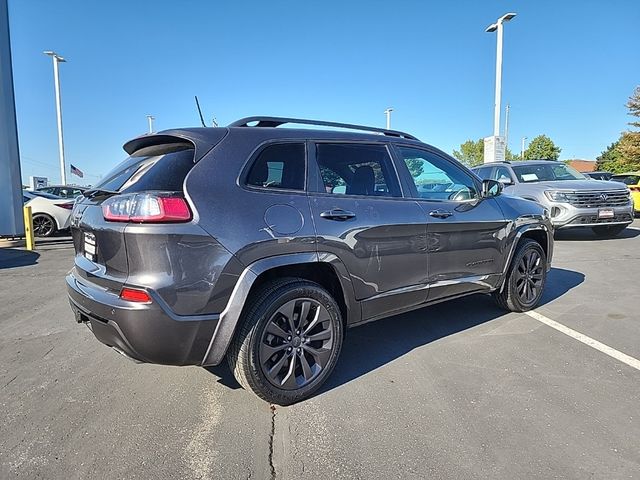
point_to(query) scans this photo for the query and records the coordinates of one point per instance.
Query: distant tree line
(471, 152)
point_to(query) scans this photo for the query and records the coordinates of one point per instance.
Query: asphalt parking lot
(459, 390)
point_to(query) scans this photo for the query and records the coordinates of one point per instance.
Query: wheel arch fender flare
(231, 315)
(521, 232)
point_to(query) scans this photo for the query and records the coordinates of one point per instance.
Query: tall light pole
(524, 139)
(506, 125)
(498, 26)
(150, 118)
(387, 112)
(56, 60)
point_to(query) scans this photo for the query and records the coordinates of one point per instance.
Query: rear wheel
(43, 225)
(608, 230)
(526, 278)
(289, 341)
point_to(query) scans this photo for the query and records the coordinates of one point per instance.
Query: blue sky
(569, 67)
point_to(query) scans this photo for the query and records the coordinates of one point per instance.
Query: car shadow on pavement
(586, 234)
(17, 257)
(375, 344)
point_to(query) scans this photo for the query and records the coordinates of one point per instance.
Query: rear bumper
(145, 332)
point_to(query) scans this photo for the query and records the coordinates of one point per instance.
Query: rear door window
(357, 169)
(279, 166)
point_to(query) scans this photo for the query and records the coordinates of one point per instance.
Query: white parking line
(606, 349)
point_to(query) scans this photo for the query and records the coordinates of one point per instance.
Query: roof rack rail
(277, 121)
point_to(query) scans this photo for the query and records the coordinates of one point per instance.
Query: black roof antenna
(199, 111)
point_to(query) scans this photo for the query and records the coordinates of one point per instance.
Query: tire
(608, 231)
(43, 225)
(526, 278)
(272, 338)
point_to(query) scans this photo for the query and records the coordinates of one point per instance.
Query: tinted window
(45, 195)
(159, 172)
(627, 179)
(437, 179)
(501, 174)
(483, 172)
(355, 169)
(279, 166)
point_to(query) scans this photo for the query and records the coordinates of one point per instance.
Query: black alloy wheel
(43, 225)
(525, 279)
(529, 276)
(289, 340)
(296, 343)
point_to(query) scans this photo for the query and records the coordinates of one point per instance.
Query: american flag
(76, 171)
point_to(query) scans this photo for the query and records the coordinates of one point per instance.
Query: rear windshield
(164, 171)
(626, 179)
(540, 172)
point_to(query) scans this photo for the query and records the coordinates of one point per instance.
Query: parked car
(260, 245)
(632, 181)
(598, 175)
(64, 191)
(50, 213)
(572, 200)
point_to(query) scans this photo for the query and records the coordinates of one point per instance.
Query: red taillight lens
(66, 206)
(146, 208)
(135, 295)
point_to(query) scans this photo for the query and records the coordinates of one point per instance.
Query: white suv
(572, 199)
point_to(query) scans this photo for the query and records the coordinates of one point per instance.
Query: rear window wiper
(98, 191)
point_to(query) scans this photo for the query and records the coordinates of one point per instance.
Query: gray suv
(572, 199)
(260, 245)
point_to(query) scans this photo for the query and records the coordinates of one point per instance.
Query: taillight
(66, 206)
(146, 208)
(135, 295)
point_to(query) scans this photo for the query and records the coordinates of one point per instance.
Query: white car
(50, 213)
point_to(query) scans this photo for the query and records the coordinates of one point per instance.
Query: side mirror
(505, 181)
(491, 188)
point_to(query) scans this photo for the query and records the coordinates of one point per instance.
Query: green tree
(610, 159)
(472, 153)
(542, 148)
(629, 145)
(624, 155)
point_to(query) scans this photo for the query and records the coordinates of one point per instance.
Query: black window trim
(402, 165)
(317, 178)
(241, 180)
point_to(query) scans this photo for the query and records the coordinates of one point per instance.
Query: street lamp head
(388, 110)
(505, 18)
(53, 54)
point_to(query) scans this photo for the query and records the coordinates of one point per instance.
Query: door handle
(440, 213)
(337, 214)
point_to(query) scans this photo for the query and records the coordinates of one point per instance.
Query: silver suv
(572, 199)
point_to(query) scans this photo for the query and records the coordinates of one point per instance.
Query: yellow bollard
(28, 228)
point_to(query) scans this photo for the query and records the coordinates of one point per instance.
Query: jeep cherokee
(261, 245)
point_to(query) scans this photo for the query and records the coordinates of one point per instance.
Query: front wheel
(289, 341)
(526, 278)
(608, 231)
